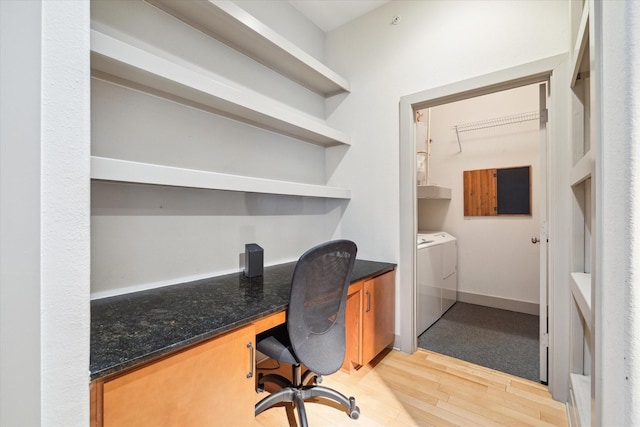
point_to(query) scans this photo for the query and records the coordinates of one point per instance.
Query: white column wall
(617, 128)
(65, 259)
(45, 214)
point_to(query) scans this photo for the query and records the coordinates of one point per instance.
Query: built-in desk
(132, 329)
(185, 354)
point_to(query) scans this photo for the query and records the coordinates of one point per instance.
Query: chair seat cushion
(275, 344)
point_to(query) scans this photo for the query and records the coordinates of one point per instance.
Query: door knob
(534, 240)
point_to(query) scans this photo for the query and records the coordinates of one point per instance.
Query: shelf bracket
(458, 136)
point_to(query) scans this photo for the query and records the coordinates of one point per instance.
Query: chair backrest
(315, 317)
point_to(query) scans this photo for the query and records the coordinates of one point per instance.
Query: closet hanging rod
(497, 121)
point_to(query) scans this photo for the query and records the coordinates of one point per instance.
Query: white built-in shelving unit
(117, 61)
(582, 180)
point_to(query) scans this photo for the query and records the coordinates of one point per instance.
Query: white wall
(495, 255)
(20, 333)
(45, 214)
(436, 43)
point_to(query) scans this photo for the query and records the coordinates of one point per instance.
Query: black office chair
(314, 334)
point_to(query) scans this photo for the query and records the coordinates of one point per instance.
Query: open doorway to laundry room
(479, 175)
(551, 71)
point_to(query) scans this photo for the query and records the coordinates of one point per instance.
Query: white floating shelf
(581, 290)
(233, 26)
(107, 169)
(580, 399)
(117, 61)
(433, 192)
(582, 170)
(580, 62)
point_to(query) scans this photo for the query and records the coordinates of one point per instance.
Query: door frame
(553, 70)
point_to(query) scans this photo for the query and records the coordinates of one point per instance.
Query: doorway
(497, 247)
(546, 70)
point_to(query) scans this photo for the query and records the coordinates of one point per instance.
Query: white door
(542, 240)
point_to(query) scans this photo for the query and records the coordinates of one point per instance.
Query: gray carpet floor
(499, 339)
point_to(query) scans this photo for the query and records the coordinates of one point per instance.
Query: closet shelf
(433, 192)
(580, 62)
(232, 25)
(124, 64)
(581, 290)
(582, 170)
(493, 122)
(108, 169)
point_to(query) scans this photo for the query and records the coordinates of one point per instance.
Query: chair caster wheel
(355, 413)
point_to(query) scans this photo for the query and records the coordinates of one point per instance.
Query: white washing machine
(437, 281)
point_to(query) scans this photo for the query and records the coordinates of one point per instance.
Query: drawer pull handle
(251, 352)
(368, 301)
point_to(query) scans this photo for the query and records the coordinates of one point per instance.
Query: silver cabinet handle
(251, 352)
(368, 301)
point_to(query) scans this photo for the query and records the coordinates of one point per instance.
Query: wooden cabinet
(209, 384)
(370, 319)
(378, 315)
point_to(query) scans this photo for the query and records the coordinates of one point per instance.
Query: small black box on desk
(253, 260)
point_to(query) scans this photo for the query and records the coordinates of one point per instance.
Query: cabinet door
(353, 356)
(209, 384)
(378, 315)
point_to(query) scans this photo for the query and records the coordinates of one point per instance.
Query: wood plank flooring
(427, 389)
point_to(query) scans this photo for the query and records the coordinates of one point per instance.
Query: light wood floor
(428, 389)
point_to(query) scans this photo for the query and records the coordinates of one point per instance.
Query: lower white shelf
(108, 169)
(580, 399)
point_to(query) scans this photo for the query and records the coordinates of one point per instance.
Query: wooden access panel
(480, 192)
(205, 385)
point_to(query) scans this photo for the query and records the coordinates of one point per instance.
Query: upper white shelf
(433, 192)
(235, 27)
(115, 60)
(108, 169)
(580, 61)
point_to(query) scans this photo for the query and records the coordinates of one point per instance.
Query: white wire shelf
(493, 122)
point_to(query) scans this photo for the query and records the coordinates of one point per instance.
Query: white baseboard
(501, 303)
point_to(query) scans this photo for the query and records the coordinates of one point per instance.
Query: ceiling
(330, 14)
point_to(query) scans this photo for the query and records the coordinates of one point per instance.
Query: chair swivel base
(291, 393)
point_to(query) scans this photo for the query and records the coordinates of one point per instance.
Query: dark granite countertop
(134, 328)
